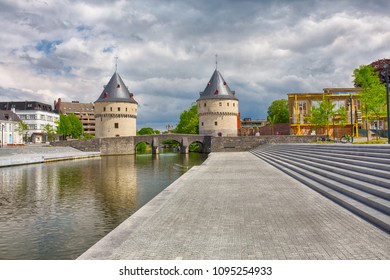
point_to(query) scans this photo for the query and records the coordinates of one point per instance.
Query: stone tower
(217, 108)
(115, 110)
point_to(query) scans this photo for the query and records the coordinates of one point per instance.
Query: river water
(58, 210)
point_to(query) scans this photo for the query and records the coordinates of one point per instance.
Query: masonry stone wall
(238, 144)
(126, 145)
(115, 119)
(218, 117)
(107, 146)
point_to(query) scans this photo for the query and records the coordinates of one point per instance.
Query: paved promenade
(236, 206)
(10, 156)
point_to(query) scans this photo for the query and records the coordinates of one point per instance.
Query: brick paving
(236, 206)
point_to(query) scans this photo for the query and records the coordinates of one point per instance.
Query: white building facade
(35, 115)
(9, 123)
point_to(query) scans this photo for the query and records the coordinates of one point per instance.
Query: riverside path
(237, 206)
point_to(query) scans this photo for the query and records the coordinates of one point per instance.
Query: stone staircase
(354, 176)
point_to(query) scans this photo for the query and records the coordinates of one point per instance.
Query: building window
(302, 107)
(119, 109)
(228, 104)
(205, 105)
(234, 104)
(216, 123)
(104, 109)
(220, 103)
(111, 109)
(126, 109)
(116, 125)
(202, 123)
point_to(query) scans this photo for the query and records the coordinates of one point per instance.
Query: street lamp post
(2, 135)
(351, 105)
(387, 102)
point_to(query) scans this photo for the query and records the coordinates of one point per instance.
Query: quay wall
(126, 145)
(106, 146)
(245, 143)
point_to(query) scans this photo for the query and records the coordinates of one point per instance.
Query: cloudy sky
(166, 50)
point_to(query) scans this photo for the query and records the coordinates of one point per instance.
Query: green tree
(342, 115)
(373, 94)
(322, 115)
(64, 126)
(145, 131)
(278, 111)
(21, 129)
(76, 126)
(49, 130)
(189, 121)
(70, 125)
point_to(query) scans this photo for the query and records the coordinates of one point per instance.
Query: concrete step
(377, 163)
(333, 163)
(367, 187)
(365, 193)
(349, 175)
(363, 151)
(350, 147)
(369, 213)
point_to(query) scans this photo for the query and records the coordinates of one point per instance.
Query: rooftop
(116, 91)
(8, 115)
(217, 88)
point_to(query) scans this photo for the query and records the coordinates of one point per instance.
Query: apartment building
(36, 115)
(84, 111)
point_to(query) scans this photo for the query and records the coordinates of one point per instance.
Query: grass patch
(380, 141)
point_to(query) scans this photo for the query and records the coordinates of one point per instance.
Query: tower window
(126, 109)
(228, 104)
(111, 109)
(205, 104)
(220, 103)
(116, 125)
(216, 123)
(119, 109)
(202, 123)
(104, 109)
(234, 104)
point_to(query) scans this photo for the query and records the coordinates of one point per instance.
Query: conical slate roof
(116, 91)
(217, 88)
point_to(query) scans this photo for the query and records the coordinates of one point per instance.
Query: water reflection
(58, 210)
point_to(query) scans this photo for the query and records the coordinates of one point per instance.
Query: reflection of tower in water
(118, 185)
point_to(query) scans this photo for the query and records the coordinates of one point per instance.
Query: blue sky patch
(108, 50)
(47, 46)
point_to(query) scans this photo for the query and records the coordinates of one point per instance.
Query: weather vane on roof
(216, 61)
(116, 63)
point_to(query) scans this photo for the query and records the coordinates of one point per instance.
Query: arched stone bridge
(128, 145)
(184, 140)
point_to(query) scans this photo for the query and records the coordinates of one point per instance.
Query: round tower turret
(217, 108)
(115, 110)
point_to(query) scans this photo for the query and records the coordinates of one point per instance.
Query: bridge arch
(184, 141)
(139, 145)
(196, 146)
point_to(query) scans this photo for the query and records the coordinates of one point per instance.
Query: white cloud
(166, 49)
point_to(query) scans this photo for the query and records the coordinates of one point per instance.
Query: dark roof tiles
(217, 88)
(116, 91)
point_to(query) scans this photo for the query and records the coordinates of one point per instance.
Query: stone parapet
(126, 145)
(245, 143)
